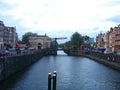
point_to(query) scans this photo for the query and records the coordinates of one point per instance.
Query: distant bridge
(60, 48)
(53, 51)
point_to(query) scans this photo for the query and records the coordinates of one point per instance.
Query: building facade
(1, 34)
(109, 40)
(8, 36)
(100, 40)
(117, 38)
(112, 39)
(41, 41)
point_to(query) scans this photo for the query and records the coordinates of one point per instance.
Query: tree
(53, 44)
(25, 37)
(76, 40)
(67, 44)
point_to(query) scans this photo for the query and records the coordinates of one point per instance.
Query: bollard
(55, 73)
(49, 81)
(54, 81)
(52, 77)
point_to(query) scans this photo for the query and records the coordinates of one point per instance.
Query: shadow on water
(10, 82)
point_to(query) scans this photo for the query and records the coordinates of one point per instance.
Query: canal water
(73, 73)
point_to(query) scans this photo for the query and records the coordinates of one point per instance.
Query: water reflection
(60, 52)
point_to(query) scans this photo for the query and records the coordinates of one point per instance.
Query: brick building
(40, 40)
(1, 34)
(110, 40)
(117, 38)
(100, 40)
(8, 36)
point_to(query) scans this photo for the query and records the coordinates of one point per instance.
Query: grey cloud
(9, 21)
(115, 19)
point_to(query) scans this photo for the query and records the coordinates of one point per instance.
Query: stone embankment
(111, 60)
(12, 64)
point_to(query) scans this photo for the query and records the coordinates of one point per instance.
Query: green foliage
(68, 44)
(25, 37)
(53, 44)
(61, 45)
(76, 40)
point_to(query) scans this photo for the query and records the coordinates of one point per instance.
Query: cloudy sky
(60, 18)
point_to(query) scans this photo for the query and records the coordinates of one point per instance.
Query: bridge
(56, 44)
(53, 51)
(60, 48)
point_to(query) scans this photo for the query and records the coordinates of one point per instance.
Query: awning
(17, 45)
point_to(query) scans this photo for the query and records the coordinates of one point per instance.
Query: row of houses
(109, 40)
(8, 36)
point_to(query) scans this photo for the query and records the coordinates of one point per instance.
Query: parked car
(4, 52)
(118, 52)
(12, 51)
(109, 52)
(23, 50)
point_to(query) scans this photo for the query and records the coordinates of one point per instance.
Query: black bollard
(52, 77)
(49, 81)
(55, 73)
(54, 81)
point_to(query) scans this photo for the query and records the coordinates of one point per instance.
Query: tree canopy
(25, 37)
(53, 44)
(76, 40)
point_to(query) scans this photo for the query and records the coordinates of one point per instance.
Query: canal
(73, 73)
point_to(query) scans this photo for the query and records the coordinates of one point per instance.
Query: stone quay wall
(110, 60)
(12, 64)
